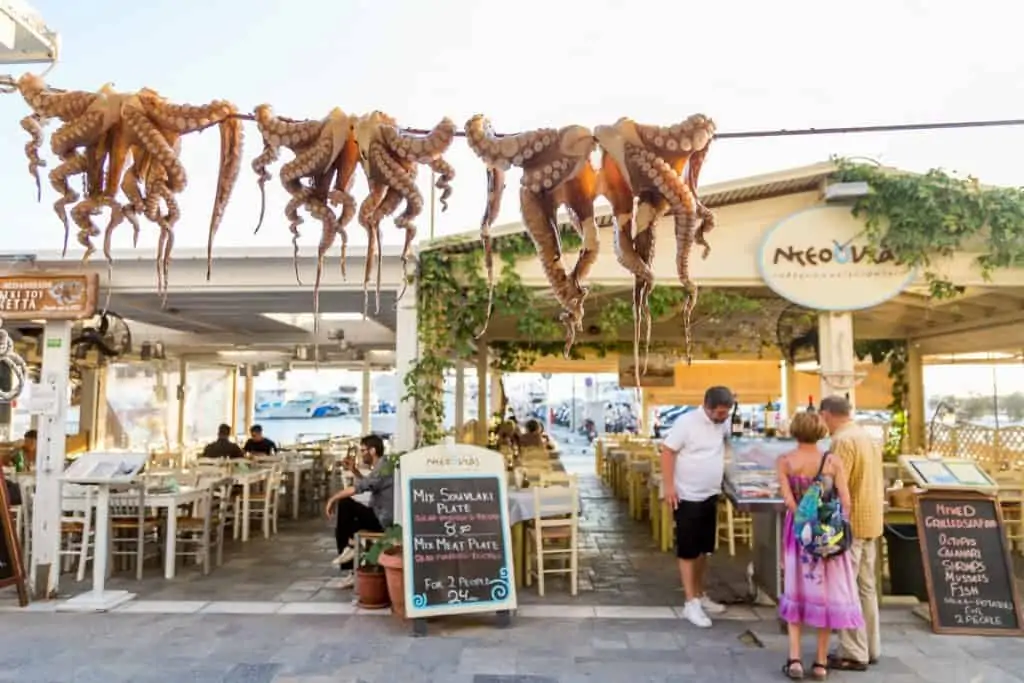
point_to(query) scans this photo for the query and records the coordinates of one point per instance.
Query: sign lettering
(48, 297)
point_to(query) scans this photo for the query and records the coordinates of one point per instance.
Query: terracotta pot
(372, 588)
(391, 560)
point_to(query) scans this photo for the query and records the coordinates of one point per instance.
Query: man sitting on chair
(351, 516)
(223, 447)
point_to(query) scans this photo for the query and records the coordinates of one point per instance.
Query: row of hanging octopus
(126, 149)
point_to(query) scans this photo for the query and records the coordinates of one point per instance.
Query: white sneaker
(347, 555)
(710, 606)
(346, 582)
(694, 614)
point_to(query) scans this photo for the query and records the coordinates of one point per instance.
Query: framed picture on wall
(661, 371)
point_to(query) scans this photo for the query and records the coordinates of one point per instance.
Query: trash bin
(906, 574)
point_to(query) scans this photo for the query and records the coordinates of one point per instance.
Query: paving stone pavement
(619, 563)
(122, 648)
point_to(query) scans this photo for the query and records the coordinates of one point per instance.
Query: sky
(749, 65)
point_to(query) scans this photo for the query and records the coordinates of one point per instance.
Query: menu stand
(105, 471)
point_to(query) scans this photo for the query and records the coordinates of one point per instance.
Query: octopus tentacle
(426, 150)
(82, 215)
(231, 138)
(303, 165)
(132, 190)
(681, 139)
(268, 156)
(401, 181)
(368, 219)
(48, 104)
(72, 165)
(279, 133)
(346, 164)
(513, 150)
(578, 194)
(329, 231)
(157, 146)
(77, 132)
(33, 125)
(495, 190)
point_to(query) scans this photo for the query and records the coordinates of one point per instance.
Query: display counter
(752, 484)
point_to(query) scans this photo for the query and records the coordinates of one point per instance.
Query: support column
(917, 439)
(45, 564)
(496, 393)
(482, 419)
(365, 403)
(249, 397)
(6, 409)
(644, 417)
(460, 397)
(182, 393)
(233, 399)
(406, 352)
(838, 361)
(88, 405)
(102, 376)
(789, 397)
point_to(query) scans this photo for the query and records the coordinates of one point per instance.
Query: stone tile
(162, 607)
(252, 673)
(242, 608)
(604, 612)
(294, 596)
(343, 608)
(556, 612)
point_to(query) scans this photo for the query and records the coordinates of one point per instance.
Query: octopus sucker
(642, 164)
(556, 172)
(74, 164)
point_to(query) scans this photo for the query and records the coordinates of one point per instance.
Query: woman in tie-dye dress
(818, 592)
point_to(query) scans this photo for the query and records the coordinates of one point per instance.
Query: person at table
(257, 444)
(350, 515)
(533, 437)
(23, 458)
(861, 457)
(223, 447)
(693, 461)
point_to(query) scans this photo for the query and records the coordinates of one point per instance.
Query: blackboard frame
(10, 538)
(459, 462)
(933, 607)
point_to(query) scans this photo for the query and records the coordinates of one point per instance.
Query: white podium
(105, 471)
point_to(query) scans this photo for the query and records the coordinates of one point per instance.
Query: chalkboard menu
(967, 567)
(12, 570)
(456, 537)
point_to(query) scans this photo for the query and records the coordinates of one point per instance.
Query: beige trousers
(864, 645)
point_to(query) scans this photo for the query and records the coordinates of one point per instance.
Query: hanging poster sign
(39, 296)
(820, 258)
(456, 538)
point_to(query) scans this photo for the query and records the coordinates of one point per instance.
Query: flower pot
(392, 561)
(372, 588)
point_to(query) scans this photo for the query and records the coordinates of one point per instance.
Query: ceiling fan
(107, 332)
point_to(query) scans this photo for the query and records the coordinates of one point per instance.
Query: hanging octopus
(326, 158)
(556, 172)
(644, 163)
(101, 133)
(390, 157)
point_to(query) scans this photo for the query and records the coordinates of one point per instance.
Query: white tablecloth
(521, 505)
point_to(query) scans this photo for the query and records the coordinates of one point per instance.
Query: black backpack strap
(821, 467)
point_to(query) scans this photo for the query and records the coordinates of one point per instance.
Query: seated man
(223, 447)
(23, 458)
(256, 444)
(351, 516)
(534, 436)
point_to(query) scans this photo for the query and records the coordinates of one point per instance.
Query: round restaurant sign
(820, 258)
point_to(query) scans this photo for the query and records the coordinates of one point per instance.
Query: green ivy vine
(893, 352)
(923, 217)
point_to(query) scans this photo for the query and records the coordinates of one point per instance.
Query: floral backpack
(819, 525)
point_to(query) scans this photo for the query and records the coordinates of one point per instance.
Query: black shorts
(696, 528)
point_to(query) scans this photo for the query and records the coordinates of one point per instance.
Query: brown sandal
(842, 664)
(819, 671)
(793, 670)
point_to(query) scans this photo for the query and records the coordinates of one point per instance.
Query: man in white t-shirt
(693, 460)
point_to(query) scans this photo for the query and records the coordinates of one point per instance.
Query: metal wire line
(8, 84)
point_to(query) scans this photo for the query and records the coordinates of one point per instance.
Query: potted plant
(389, 556)
(371, 584)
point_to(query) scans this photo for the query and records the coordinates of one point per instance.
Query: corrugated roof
(752, 188)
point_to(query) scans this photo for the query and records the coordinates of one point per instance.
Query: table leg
(655, 506)
(518, 554)
(245, 511)
(171, 542)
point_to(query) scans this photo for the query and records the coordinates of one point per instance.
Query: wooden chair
(733, 526)
(264, 506)
(197, 535)
(131, 529)
(553, 535)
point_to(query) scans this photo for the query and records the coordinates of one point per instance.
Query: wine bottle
(737, 421)
(810, 404)
(770, 419)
